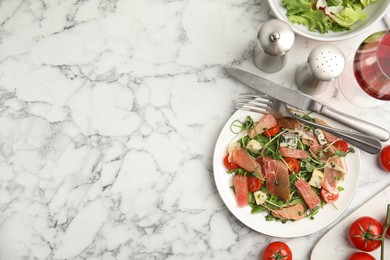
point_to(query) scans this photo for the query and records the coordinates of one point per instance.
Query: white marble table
(109, 114)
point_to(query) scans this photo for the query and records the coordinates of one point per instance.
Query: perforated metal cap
(326, 62)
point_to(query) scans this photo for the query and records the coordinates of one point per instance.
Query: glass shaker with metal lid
(274, 39)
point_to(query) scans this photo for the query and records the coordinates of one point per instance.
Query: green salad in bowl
(329, 20)
(323, 16)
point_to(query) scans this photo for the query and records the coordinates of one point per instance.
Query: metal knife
(303, 102)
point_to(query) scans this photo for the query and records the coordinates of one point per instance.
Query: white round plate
(374, 12)
(337, 237)
(257, 222)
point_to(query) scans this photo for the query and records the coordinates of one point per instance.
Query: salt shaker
(274, 39)
(324, 64)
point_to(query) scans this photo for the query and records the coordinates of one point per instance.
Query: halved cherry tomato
(293, 164)
(272, 131)
(341, 145)
(277, 250)
(329, 197)
(254, 184)
(364, 232)
(229, 165)
(361, 256)
(384, 158)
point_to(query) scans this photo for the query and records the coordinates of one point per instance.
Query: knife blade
(303, 102)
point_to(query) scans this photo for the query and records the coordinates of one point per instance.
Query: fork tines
(254, 103)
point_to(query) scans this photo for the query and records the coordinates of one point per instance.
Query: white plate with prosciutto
(282, 178)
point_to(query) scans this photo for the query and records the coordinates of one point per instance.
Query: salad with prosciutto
(284, 168)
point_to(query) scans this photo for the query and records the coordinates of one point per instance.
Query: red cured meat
(240, 183)
(266, 122)
(295, 153)
(270, 174)
(289, 123)
(295, 212)
(313, 143)
(245, 161)
(331, 180)
(336, 163)
(308, 195)
(277, 178)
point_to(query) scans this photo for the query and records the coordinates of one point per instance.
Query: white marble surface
(109, 113)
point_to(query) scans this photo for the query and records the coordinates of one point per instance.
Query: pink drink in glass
(371, 65)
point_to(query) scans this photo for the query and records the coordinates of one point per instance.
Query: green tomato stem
(387, 224)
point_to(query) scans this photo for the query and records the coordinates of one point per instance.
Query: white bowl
(374, 11)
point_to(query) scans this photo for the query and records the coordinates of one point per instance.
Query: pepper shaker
(274, 39)
(324, 64)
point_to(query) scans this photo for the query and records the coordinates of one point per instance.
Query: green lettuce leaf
(348, 16)
(367, 2)
(295, 7)
(352, 3)
(298, 19)
(334, 2)
(318, 21)
(338, 28)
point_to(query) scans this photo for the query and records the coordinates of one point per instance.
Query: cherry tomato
(361, 256)
(384, 158)
(329, 197)
(341, 145)
(229, 165)
(272, 131)
(254, 184)
(293, 164)
(277, 250)
(363, 232)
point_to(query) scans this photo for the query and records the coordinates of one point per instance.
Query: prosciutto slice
(245, 161)
(289, 123)
(313, 143)
(331, 180)
(277, 178)
(295, 153)
(266, 122)
(308, 195)
(240, 183)
(336, 163)
(295, 212)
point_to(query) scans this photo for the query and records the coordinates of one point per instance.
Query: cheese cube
(316, 178)
(254, 146)
(320, 136)
(260, 197)
(289, 140)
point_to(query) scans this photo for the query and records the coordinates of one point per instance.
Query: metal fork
(264, 104)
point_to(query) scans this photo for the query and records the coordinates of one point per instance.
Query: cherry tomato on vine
(272, 131)
(229, 165)
(363, 232)
(329, 197)
(293, 164)
(341, 145)
(384, 158)
(277, 250)
(254, 184)
(361, 256)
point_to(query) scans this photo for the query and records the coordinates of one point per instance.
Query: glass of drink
(368, 68)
